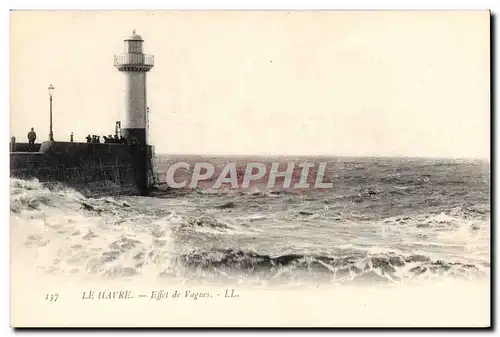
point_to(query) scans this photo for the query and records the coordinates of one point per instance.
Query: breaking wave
(385, 268)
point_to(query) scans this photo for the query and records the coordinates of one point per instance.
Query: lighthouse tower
(134, 65)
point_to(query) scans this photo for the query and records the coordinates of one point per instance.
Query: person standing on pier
(31, 139)
(71, 137)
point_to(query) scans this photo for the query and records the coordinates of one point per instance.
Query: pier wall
(23, 147)
(92, 169)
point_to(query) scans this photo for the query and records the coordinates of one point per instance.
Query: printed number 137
(52, 297)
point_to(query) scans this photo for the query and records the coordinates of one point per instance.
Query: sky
(347, 83)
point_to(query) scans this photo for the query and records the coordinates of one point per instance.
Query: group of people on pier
(90, 139)
(107, 139)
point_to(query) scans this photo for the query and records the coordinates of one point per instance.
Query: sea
(388, 221)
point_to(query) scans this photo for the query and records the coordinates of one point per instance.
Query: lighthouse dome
(134, 37)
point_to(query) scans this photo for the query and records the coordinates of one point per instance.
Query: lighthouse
(134, 65)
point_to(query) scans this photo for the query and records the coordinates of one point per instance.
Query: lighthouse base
(136, 139)
(135, 136)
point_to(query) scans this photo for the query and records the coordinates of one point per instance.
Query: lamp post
(51, 92)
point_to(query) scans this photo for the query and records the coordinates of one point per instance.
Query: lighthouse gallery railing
(134, 59)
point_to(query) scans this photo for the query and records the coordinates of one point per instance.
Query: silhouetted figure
(123, 140)
(12, 144)
(117, 140)
(98, 139)
(89, 139)
(31, 139)
(106, 140)
(71, 137)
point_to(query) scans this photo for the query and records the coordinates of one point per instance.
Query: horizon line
(323, 156)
